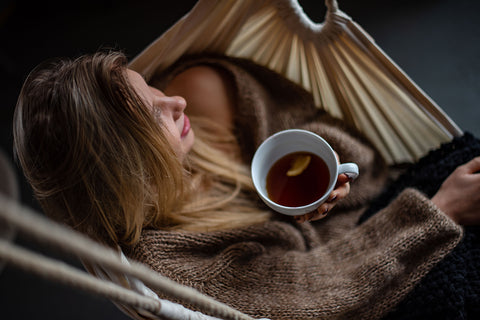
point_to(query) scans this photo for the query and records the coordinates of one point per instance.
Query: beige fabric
(331, 269)
(122, 284)
(10, 189)
(338, 62)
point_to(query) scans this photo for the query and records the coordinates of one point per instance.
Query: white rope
(332, 5)
(72, 242)
(65, 274)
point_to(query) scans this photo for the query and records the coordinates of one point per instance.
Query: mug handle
(349, 168)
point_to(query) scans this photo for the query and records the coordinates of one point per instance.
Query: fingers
(342, 179)
(473, 165)
(336, 155)
(342, 189)
(312, 216)
(327, 206)
(318, 214)
(459, 195)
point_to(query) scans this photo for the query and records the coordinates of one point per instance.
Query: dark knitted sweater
(451, 290)
(334, 268)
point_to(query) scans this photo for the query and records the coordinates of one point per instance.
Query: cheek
(169, 127)
(172, 135)
(188, 142)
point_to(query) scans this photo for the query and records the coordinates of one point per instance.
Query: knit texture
(333, 268)
(452, 289)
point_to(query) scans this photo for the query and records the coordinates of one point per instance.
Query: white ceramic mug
(289, 141)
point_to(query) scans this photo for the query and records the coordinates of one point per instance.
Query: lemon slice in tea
(299, 165)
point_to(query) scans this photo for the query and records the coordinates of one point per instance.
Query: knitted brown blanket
(330, 269)
(451, 290)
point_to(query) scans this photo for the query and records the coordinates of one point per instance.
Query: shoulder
(199, 77)
(208, 91)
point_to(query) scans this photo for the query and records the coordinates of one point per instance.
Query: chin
(188, 142)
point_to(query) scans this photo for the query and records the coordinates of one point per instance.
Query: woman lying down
(162, 170)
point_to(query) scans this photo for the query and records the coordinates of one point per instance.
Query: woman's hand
(459, 195)
(342, 189)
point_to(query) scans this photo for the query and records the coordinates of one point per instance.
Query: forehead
(135, 78)
(139, 84)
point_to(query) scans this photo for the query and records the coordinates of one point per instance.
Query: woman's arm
(279, 270)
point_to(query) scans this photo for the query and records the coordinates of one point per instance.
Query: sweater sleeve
(281, 270)
(383, 259)
(277, 271)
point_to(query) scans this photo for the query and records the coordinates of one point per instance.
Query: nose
(174, 104)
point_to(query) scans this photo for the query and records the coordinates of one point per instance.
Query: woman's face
(169, 111)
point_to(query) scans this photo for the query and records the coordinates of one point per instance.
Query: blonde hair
(98, 161)
(222, 195)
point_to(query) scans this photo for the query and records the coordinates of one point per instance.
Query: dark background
(437, 43)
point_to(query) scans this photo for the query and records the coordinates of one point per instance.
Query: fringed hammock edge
(348, 75)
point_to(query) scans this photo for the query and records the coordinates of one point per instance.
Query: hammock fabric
(119, 280)
(348, 75)
(339, 63)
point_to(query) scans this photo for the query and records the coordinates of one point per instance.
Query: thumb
(473, 165)
(342, 179)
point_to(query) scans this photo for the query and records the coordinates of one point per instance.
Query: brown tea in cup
(297, 179)
(320, 169)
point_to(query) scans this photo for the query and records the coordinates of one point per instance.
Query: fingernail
(333, 199)
(299, 219)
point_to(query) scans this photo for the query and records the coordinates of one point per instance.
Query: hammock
(348, 75)
(110, 274)
(117, 279)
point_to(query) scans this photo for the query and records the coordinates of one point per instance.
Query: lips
(186, 126)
